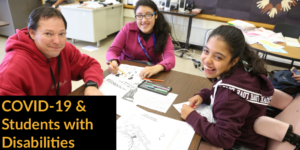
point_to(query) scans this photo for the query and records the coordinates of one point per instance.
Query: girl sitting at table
(240, 93)
(146, 40)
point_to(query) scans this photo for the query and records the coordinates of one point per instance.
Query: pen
(153, 79)
(194, 105)
(118, 69)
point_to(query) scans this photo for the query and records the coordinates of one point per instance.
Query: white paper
(110, 86)
(124, 87)
(154, 100)
(132, 73)
(203, 109)
(141, 130)
(113, 1)
(292, 42)
(135, 132)
(90, 48)
(263, 34)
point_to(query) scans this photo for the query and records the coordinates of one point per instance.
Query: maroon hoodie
(25, 70)
(239, 100)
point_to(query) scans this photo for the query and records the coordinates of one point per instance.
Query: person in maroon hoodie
(39, 61)
(241, 91)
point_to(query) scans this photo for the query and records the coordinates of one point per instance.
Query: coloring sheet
(132, 73)
(142, 130)
(111, 86)
(203, 109)
(136, 131)
(154, 100)
(124, 87)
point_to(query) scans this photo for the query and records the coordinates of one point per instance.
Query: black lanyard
(153, 36)
(52, 75)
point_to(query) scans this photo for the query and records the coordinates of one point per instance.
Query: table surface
(2, 23)
(293, 52)
(185, 85)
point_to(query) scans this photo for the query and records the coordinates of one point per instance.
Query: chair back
(288, 30)
(207, 33)
(290, 115)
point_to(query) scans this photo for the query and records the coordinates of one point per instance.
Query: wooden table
(293, 53)
(185, 85)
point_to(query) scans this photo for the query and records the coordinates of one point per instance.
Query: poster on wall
(265, 11)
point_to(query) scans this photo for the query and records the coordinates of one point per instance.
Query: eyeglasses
(147, 16)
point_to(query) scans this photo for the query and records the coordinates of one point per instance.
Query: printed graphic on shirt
(250, 96)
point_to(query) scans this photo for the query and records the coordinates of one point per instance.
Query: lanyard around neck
(139, 40)
(52, 75)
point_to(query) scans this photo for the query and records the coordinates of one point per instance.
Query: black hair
(44, 12)
(238, 47)
(161, 29)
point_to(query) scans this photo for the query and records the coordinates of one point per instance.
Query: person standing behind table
(39, 61)
(145, 40)
(240, 94)
(56, 3)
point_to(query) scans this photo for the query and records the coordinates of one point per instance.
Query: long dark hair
(235, 40)
(161, 27)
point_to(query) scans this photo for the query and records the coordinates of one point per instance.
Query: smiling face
(145, 25)
(50, 36)
(216, 58)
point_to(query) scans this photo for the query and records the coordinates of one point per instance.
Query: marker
(161, 90)
(153, 79)
(150, 87)
(158, 86)
(194, 105)
(161, 87)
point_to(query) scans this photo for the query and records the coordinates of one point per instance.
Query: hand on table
(91, 90)
(149, 71)
(296, 77)
(195, 100)
(114, 67)
(185, 111)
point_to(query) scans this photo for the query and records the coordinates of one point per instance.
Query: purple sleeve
(115, 50)
(168, 55)
(205, 94)
(230, 115)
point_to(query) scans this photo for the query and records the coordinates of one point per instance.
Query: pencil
(118, 69)
(153, 79)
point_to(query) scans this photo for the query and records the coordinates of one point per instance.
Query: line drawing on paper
(114, 83)
(130, 95)
(132, 137)
(131, 71)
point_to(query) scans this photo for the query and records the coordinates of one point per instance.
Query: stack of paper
(270, 44)
(292, 42)
(245, 26)
(256, 35)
